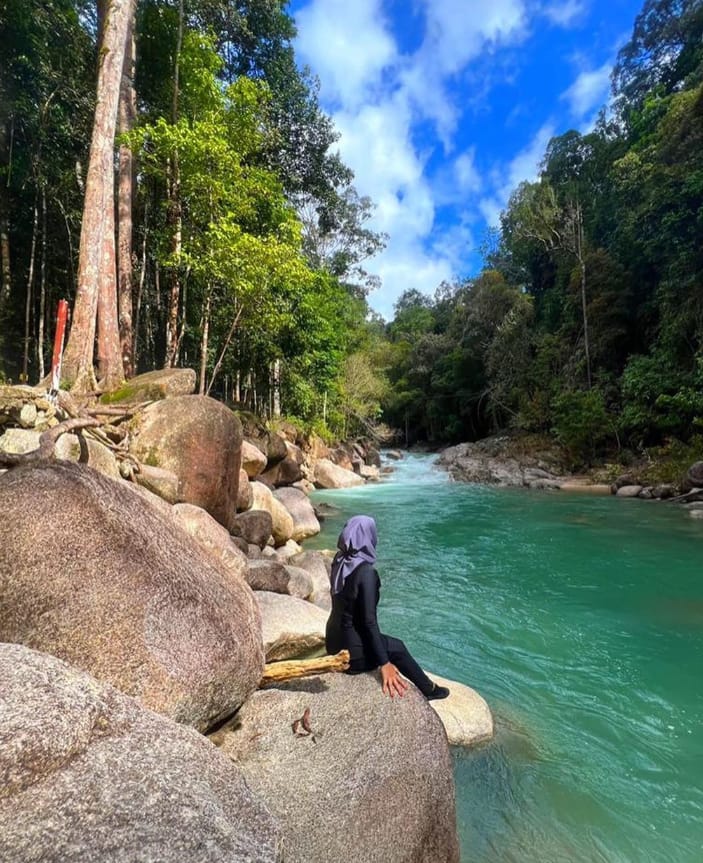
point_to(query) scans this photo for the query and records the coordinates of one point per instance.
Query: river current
(580, 620)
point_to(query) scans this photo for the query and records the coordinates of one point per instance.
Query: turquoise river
(580, 621)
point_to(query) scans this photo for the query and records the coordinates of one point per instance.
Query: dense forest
(166, 166)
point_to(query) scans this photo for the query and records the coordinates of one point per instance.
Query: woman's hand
(393, 683)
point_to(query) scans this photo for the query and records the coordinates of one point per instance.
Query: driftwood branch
(47, 442)
(276, 672)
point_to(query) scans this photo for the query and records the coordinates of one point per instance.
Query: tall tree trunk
(205, 330)
(28, 300)
(42, 289)
(175, 214)
(579, 244)
(276, 381)
(6, 271)
(98, 208)
(140, 292)
(110, 368)
(127, 114)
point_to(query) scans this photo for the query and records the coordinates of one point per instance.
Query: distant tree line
(588, 319)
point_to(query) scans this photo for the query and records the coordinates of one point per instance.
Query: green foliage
(581, 422)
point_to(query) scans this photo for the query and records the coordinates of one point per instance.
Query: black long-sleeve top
(352, 623)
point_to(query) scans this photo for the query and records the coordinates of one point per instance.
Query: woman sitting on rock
(352, 624)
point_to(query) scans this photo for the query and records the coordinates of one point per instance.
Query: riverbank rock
(466, 717)
(292, 628)
(629, 491)
(153, 386)
(372, 782)
(281, 519)
(211, 537)
(305, 523)
(253, 460)
(87, 774)
(199, 440)
(163, 483)
(329, 475)
(276, 577)
(505, 461)
(69, 447)
(254, 526)
(319, 567)
(96, 575)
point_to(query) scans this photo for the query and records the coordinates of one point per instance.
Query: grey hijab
(357, 545)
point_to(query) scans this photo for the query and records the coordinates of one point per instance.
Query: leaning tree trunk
(125, 196)
(98, 214)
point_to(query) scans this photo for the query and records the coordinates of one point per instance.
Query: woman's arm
(392, 682)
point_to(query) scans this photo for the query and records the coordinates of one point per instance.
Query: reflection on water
(579, 620)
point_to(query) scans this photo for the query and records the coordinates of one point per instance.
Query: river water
(580, 621)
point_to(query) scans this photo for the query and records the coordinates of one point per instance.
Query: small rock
(465, 715)
(275, 577)
(28, 415)
(253, 526)
(629, 491)
(394, 454)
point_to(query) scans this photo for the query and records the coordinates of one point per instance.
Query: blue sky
(444, 106)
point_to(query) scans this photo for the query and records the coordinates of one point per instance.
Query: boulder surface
(329, 475)
(292, 627)
(466, 717)
(88, 774)
(373, 781)
(199, 440)
(95, 574)
(305, 523)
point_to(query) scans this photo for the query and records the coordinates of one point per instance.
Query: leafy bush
(581, 422)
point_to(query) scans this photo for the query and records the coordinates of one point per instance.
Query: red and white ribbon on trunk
(61, 318)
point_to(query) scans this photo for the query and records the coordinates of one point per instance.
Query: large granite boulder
(212, 537)
(151, 386)
(87, 774)
(305, 523)
(292, 628)
(282, 520)
(318, 566)
(329, 475)
(199, 440)
(372, 781)
(90, 571)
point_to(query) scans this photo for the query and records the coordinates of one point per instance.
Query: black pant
(399, 655)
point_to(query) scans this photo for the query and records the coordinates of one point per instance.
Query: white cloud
(564, 14)
(589, 91)
(378, 98)
(348, 46)
(466, 173)
(457, 31)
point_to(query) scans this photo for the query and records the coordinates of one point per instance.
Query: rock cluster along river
(580, 620)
